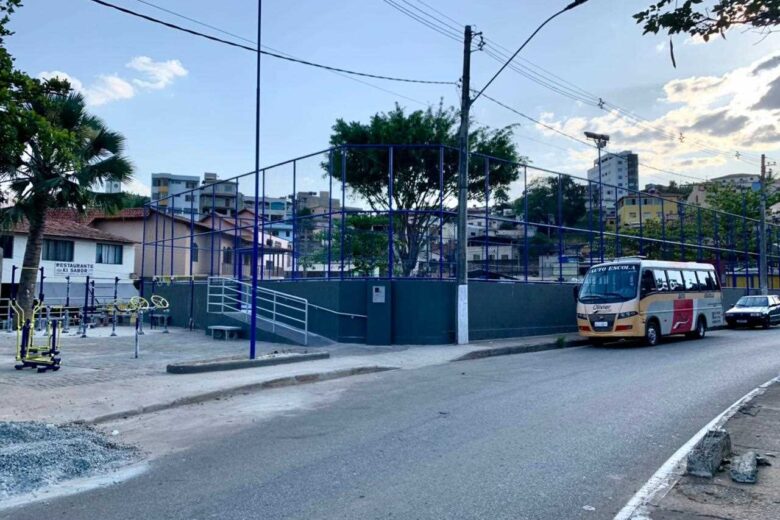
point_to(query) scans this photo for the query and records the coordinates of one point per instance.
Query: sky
(186, 105)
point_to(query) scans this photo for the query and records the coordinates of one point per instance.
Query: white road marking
(671, 471)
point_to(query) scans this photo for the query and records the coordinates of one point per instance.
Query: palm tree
(70, 153)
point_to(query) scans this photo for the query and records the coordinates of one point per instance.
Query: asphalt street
(564, 434)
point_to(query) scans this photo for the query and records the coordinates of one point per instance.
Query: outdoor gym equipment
(92, 301)
(160, 304)
(42, 357)
(137, 305)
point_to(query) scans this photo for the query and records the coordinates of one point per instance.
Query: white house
(72, 251)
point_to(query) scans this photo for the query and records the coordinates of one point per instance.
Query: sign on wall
(73, 269)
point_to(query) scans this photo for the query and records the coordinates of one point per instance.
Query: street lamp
(601, 141)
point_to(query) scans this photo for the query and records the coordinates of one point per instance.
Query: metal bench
(227, 331)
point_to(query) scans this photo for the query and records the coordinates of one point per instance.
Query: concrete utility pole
(762, 252)
(463, 193)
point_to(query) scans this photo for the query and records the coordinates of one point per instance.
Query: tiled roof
(67, 223)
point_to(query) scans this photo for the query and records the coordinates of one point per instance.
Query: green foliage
(417, 173)
(707, 19)
(365, 244)
(132, 200)
(543, 201)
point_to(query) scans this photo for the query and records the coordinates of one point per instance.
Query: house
(72, 250)
(635, 209)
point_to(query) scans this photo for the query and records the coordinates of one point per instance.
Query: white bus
(638, 298)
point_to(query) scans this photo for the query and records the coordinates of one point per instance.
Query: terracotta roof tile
(70, 224)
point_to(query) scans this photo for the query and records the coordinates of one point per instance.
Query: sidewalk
(755, 427)
(100, 379)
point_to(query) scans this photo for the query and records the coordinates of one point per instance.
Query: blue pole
(237, 263)
(143, 250)
(173, 232)
(560, 227)
(164, 231)
(681, 217)
(441, 212)
(525, 221)
(156, 236)
(330, 210)
(262, 230)
(255, 231)
(663, 230)
(390, 253)
(590, 218)
(748, 276)
(213, 225)
(192, 260)
(294, 221)
(343, 205)
(699, 254)
(641, 201)
(487, 221)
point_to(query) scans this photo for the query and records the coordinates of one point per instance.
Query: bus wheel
(701, 330)
(652, 334)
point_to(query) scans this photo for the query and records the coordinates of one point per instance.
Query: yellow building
(651, 205)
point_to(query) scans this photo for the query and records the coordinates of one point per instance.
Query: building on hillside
(185, 247)
(167, 191)
(632, 210)
(738, 181)
(274, 208)
(221, 196)
(71, 251)
(619, 174)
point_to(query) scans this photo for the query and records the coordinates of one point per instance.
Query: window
(660, 280)
(675, 280)
(58, 250)
(7, 243)
(191, 184)
(194, 252)
(108, 254)
(691, 283)
(504, 257)
(648, 281)
(709, 280)
(188, 198)
(227, 255)
(475, 258)
(632, 214)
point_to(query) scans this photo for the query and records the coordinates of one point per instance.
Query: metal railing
(280, 310)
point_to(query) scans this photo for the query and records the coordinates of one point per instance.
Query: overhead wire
(267, 53)
(563, 87)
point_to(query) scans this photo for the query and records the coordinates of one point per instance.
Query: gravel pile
(33, 455)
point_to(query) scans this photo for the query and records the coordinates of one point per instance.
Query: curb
(670, 472)
(235, 364)
(519, 349)
(301, 379)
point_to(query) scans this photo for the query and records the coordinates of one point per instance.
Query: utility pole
(255, 230)
(463, 193)
(762, 252)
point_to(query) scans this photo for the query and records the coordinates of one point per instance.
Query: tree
(543, 201)
(365, 244)
(60, 163)
(132, 200)
(416, 171)
(696, 18)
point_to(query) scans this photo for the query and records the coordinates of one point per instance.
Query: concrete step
(293, 334)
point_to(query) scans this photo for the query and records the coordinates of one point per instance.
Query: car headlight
(628, 314)
(581, 316)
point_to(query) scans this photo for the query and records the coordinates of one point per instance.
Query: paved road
(535, 436)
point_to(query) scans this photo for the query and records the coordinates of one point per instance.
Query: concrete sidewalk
(754, 427)
(100, 379)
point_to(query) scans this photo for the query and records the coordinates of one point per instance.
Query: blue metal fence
(390, 211)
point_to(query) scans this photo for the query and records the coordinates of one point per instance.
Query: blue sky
(186, 105)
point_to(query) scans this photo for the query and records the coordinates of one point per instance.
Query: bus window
(712, 281)
(675, 280)
(648, 282)
(660, 280)
(691, 283)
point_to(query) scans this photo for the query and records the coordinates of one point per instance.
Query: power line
(268, 53)
(443, 31)
(559, 85)
(238, 36)
(584, 142)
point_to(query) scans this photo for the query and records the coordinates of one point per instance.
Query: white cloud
(735, 112)
(136, 186)
(660, 47)
(158, 74)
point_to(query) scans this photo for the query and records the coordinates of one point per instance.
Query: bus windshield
(610, 283)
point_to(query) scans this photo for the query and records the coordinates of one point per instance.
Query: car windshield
(610, 283)
(753, 301)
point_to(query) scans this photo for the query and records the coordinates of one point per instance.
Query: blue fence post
(486, 264)
(441, 212)
(745, 239)
(590, 220)
(173, 233)
(330, 210)
(193, 247)
(156, 236)
(699, 255)
(294, 221)
(640, 199)
(681, 217)
(390, 246)
(716, 226)
(262, 230)
(525, 222)
(559, 219)
(143, 251)
(618, 244)
(343, 206)
(213, 230)
(733, 247)
(238, 265)
(663, 230)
